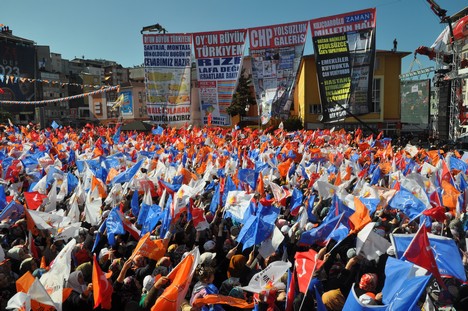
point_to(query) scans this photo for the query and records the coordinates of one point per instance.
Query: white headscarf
(74, 284)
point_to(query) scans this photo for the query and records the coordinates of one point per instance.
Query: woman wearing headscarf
(81, 298)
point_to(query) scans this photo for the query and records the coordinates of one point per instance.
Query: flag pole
(310, 280)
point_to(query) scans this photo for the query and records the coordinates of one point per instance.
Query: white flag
(51, 204)
(371, 244)
(269, 277)
(68, 231)
(38, 292)
(20, 301)
(93, 207)
(55, 278)
(237, 203)
(270, 245)
(2, 254)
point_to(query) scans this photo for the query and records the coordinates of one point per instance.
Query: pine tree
(242, 97)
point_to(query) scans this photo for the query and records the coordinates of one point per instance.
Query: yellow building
(386, 95)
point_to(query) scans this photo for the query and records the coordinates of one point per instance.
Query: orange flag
(181, 276)
(450, 195)
(260, 185)
(99, 184)
(153, 249)
(112, 173)
(361, 216)
(30, 224)
(338, 179)
(283, 168)
(102, 288)
(224, 300)
(24, 283)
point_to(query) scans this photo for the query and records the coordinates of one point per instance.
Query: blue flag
(134, 204)
(166, 218)
(407, 202)
(322, 232)
(296, 201)
(153, 217)
(157, 131)
(375, 176)
(143, 213)
(13, 212)
(248, 176)
(406, 298)
(55, 125)
(310, 208)
(457, 164)
(370, 203)
(445, 250)
(116, 136)
(337, 207)
(72, 182)
(2, 198)
(215, 200)
(114, 226)
(128, 174)
(397, 272)
(100, 233)
(228, 186)
(254, 231)
(353, 303)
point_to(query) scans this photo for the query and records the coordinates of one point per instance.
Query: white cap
(209, 245)
(206, 258)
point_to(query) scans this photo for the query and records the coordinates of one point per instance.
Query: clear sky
(110, 29)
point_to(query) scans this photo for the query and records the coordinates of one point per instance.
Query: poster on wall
(344, 47)
(219, 58)
(167, 61)
(276, 53)
(127, 106)
(415, 96)
(17, 69)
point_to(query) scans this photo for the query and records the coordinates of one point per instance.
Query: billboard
(344, 47)
(276, 53)
(415, 97)
(16, 72)
(219, 56)
(167, 77)
(127, 106)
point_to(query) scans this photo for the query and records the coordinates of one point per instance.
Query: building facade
(385, 115)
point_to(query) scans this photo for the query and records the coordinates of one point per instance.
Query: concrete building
(386, 95)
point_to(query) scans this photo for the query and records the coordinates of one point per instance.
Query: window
(98, 108)
(315, 108)
(376, 95)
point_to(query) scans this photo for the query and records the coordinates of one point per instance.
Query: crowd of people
(228, 219)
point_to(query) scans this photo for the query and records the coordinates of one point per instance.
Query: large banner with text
(17, 69)
(344, 48)
(167, 61)
(276, 53)
(219, 58)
